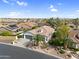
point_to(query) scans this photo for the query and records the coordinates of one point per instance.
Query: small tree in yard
(38, 38)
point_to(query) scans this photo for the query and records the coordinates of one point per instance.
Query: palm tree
(38, 38)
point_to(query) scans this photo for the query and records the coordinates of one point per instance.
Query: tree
(61, 36)
(76, 22)
(62, 32)
(38, 38)
(51, 22)
(55, 23)
(56, 42)
(65, 43)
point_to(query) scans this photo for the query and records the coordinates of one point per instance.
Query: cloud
(77, 10)
(75, 14)
(12, 2)
(51, 6)
(21, 3)
(59, 3)
(5, 1)
(53, 9)
(14, 14)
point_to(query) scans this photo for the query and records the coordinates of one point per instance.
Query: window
(28, 37)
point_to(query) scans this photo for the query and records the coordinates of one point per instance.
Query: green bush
(76, 49)
(34, 27)
(20, 36)
(56, 42)
(6, 33)
(62, 51)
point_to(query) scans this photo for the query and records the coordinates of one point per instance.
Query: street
(13, 52)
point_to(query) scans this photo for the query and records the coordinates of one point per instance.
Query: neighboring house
(13, 28)
(71, 25)
(27, 25)
(8, 22)
(3, 29)
(74, 35)
(46, 31)
(42, 24)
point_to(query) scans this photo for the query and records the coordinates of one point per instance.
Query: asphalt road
(13, 52)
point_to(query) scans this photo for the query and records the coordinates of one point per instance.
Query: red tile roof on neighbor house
(44, 30)
(27, 25)
(72, 35)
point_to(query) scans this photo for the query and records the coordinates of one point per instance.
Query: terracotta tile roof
(44, 30)
(72, 34)
(27, 24)
(3, 29)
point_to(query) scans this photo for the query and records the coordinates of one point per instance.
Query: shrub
(20, 36)
(62, 51)
(76, 49)
(6, 33)
(56, 42)
(34, 27)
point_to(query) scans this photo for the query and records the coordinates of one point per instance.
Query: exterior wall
(30, 34)
(27, 34)
(77, 45)
(47, 38)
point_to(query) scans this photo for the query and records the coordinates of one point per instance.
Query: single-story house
(27, 25)
(8, 22)
(71, 25)
(13, 28)
(3, 29)
(74, 35)
(46, 31)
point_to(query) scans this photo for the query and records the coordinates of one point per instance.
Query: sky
(39, 8)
